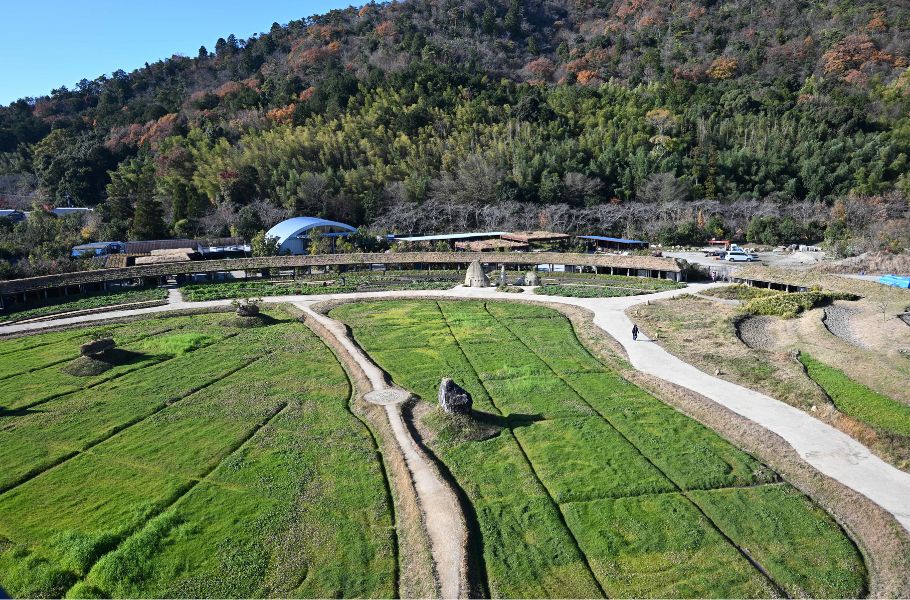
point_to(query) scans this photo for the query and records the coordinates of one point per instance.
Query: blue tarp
(895, 280)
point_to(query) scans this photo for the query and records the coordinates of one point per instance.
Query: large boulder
(475, 277)
(531, 278)
(96, 347)
(453, 398)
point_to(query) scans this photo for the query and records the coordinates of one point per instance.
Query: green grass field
(328, 283)
(214, 462)
(83, 302)
(858, 401)
(593, 487)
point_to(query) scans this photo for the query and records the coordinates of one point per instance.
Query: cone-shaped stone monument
(475, 277)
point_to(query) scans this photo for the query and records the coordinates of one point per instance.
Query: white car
(739, 256)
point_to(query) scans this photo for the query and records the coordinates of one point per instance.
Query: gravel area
(755, 332)
(837, 321)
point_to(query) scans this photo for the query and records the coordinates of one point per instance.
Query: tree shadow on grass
(516, 420)
(17, 412)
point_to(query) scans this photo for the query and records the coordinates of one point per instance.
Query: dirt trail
(442, 514)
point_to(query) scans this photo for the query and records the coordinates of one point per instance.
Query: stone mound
(96, 347)
(755, 332)
(837, 320)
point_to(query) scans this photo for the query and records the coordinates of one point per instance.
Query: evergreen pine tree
(148, 220)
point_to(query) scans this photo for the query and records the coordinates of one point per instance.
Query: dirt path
(830, 451)
(444, 522)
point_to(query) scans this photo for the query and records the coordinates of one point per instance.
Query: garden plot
(662, 546)
(601, 471)
(139, 345)
(84, 302)
(231, 469)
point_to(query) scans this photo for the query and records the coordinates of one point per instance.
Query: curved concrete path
(829, 450)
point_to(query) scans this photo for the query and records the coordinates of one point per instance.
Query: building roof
(535, 236)
(167, 256)
(224, 241)
(483, 245)
(97, 245)
(146, 246)
(10, 211)
(292, 228)
(452, 236)
(601, 238)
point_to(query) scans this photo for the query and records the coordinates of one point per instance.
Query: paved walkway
(829, 450)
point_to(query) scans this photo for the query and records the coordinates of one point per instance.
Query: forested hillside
(785, 119)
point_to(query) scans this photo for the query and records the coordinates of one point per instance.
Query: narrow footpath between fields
(827, 449)
(439, 504)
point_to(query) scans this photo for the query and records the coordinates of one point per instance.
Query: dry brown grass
(870, 262)
(703, 333)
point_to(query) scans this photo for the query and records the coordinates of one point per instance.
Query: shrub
(585, 291)
(790, 305)
(741, 292)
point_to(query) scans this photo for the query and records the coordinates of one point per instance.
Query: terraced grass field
(592, 487)
(207, 462)
(857, 400)
(82, 302)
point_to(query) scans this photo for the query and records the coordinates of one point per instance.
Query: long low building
(642, 266)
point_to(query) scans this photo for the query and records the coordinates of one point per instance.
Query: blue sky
(50, 43)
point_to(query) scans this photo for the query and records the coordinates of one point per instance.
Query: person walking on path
(634, 332)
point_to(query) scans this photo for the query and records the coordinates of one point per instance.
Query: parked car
(739, 256)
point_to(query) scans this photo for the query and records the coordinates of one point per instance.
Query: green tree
(512, 19)
(247, 223)
(72, 167)
(488, 21)
(148, 220)
(261, 245)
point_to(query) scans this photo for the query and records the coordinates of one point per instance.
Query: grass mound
(90, 366)
(260, 320)
(789, 305)
(453, 429)
(87, 366)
